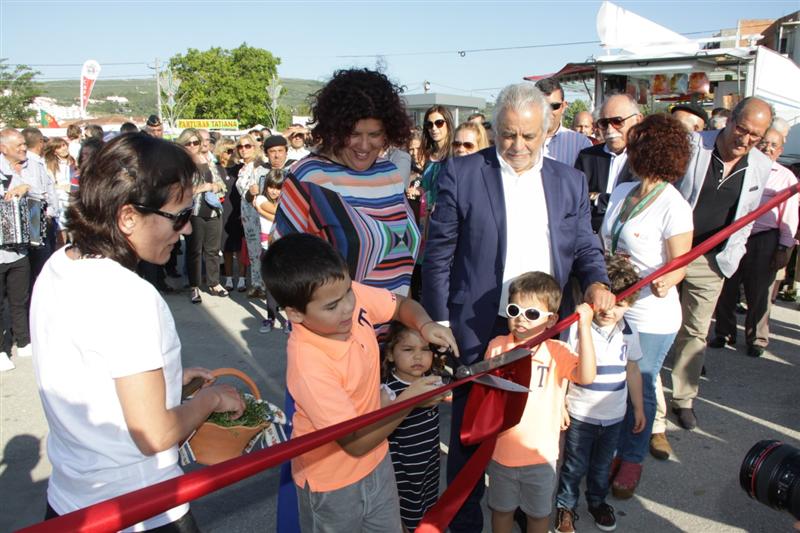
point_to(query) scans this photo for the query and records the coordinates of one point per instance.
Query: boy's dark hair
(542, 285)
(622, 274)
(396, 332)
(297, 265)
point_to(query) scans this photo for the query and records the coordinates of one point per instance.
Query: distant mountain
(141, 95)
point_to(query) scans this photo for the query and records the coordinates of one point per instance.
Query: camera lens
(770, 474)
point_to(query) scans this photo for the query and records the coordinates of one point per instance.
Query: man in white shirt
(297, 145)
(605, 165)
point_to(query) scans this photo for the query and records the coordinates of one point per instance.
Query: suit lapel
(552, 184)
(493, 182)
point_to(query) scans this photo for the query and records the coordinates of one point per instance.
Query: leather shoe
(755, 351)
(660, 447)
(686, 417)
(721, 340)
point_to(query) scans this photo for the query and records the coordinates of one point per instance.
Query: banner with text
(208, 123)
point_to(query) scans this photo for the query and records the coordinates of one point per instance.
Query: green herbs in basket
(256, 412)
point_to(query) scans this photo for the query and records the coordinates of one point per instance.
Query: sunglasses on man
(555, 106)
(617, 122)
(178, 219)
(439, 123)
(468, 145)
(530, 313)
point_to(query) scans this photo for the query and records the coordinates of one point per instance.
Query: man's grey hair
(521, 97)
(634, 106)
(8, 135)
(781, 126)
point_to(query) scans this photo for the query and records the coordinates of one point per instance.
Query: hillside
(141, 95)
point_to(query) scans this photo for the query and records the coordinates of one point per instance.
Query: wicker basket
(212, 443)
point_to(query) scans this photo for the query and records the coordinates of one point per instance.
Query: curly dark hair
(621, 275)
(354, 95)
(659, 148)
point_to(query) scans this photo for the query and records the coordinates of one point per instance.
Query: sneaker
(565, 520)
(5, 362)
(660, 447)
(25, 351)
(721, 340)
(266, 326)
(228, 283)
(241, 286)
(604, 517)
(755, 351)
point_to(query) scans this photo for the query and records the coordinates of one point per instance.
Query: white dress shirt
(527, 226)
(617, 163)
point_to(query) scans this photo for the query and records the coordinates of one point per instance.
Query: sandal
(219, 290)
(196, 299)
(626, 480)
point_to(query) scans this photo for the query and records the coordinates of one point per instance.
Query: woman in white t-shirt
(106, 353)
(651, 223)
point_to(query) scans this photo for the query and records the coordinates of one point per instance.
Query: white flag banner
(89, 74)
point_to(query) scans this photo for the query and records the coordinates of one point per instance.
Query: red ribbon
(486, 407)
(128, 509)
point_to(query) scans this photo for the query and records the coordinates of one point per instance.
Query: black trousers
(469, 518)
(203, 243)
(38, 255)
(184, 524)
(15, 283)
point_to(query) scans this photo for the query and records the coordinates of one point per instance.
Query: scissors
(462, 371)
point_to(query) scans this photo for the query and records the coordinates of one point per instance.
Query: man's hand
(19, 191)
(598, 296)
(780, 258)
(439, 335)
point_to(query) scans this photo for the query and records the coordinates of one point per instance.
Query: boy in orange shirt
(522, 472)
(333, 374)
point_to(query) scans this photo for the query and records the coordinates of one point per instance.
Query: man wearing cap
(154, 127)
(561, 144)
(606, 165)
(768, 250)
(692, 116)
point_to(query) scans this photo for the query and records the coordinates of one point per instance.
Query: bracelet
(425, 324)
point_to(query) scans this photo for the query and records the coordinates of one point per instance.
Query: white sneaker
(266, 326)
(5, 363)
(242, 285)
(228, 283)
(25, 351)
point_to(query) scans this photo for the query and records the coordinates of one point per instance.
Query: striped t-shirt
(603, 402)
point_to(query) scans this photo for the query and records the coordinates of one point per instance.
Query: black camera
(770, 474)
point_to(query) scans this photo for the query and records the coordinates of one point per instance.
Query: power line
(70, 64)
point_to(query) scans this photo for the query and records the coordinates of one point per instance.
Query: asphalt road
(743, 401)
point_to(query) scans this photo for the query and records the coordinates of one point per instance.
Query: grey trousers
(757, 277)
(699, 292)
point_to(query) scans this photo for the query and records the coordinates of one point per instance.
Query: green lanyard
(616, 228)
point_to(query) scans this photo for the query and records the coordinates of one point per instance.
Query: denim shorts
(528, 487)
(369, 505)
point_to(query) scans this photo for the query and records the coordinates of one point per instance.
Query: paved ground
(744, 400)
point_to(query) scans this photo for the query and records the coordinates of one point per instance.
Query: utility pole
(158, 92)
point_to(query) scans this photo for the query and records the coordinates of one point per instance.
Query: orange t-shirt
(332, 381)
(535, 439)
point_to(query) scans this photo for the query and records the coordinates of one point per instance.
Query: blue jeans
(588, 450)
(632, 447)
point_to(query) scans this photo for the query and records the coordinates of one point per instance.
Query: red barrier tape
(123, 511)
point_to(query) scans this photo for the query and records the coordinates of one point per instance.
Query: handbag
(212, 200)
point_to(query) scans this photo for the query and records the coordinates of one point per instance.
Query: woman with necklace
(649, 222)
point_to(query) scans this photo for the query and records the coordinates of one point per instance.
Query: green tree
(17, 91)
(220, 83)
(573, 109)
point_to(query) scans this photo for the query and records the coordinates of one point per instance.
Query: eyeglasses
(764, 145)
(179, 219)
(741, 132)
(258, 139)
(617, 122)
(229, 151)
(192, 143)
(439, 123)
(468, 145)
(555, 106)
(531, 313)
(246, 146)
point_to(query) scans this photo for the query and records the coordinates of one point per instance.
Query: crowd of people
(497, 229)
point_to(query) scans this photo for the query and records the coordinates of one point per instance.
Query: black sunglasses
(440, 122)
(192, 143)
(468, 145)
(178, 219)
(229, 151)
(555, 106)
(531, 313)
(617, 122)
(248, 146)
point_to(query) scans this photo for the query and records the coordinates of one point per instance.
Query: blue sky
(311, 37)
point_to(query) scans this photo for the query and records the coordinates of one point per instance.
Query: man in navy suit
(501, 212)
